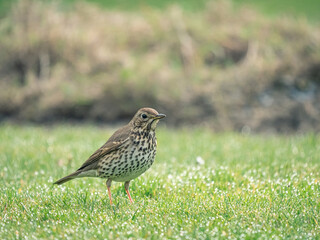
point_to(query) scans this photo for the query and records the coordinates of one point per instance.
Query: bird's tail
(67, 178)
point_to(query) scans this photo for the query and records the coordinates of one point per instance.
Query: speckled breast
(132, 159)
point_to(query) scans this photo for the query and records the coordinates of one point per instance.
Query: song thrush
(128, 153)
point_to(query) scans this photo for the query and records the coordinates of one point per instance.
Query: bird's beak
(159, 116)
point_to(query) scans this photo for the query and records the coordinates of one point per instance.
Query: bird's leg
(126, 186)
(108, 183)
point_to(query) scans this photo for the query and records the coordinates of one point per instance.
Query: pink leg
(109, 191)
(126, 186)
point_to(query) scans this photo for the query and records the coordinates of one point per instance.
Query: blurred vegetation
(228, 68)
(309, 9)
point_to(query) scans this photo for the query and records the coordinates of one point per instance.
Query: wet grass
(241, 186)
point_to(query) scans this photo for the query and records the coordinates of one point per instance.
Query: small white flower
(200, 160)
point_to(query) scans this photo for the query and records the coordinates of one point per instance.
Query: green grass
(309, 9)
(249, 187)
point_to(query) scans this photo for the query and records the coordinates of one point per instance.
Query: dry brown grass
(228, 69)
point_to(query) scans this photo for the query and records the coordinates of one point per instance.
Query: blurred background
(241, 65)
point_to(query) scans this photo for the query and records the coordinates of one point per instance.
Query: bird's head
(146, 118)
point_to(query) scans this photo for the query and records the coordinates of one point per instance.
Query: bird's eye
(144, 116)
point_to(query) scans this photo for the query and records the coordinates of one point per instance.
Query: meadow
(203, 185)
(308, 8)
(232, 67)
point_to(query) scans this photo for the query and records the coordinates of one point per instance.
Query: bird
(127, 154)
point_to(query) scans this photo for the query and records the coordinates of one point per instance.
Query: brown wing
(116, 141)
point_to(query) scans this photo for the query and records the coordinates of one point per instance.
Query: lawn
(248, 187)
